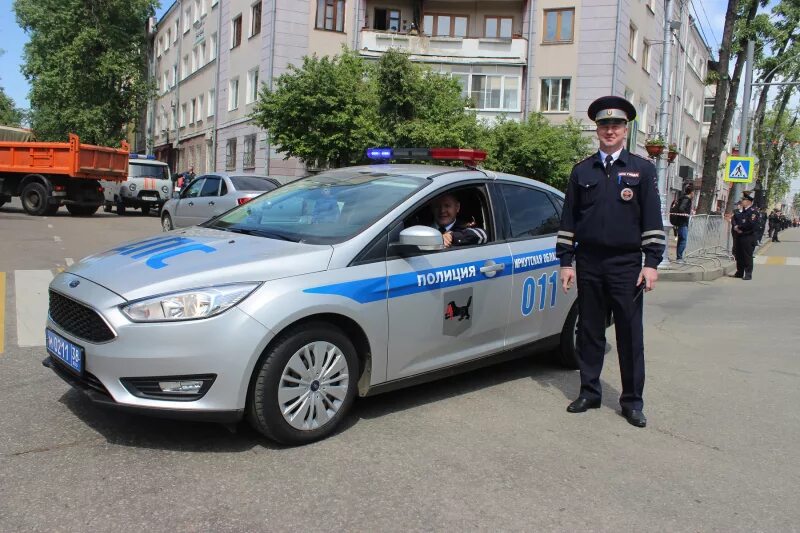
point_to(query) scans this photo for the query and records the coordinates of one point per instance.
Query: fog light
(181, 387)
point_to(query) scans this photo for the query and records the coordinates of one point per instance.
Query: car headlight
(189, 305)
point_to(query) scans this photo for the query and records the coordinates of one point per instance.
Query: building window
(249, 154)
(212, 102)
(165, 85)
(183, 115)
(168, 40)
(252, 86)
(646, 56)
(160, 46)
(174, 75)
(555, 94)
(642, 116)
(212, 54)
(236, 32)
(187, 19)
(490, 91)
(195, 62)
(386, 19)
(197, 10)
(445, 25)
(498, 27)
(255, 19)
(230, 154)
(633, 37)
(558, 25)
(185, 67)
(233, 94)
(330, 15)
(202, 53)
(174, 119)
(192, 110)
(200, 107)
(203, 8)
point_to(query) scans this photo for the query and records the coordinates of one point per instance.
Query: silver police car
(286, 308)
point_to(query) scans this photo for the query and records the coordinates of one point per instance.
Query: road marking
(56, 238)
(69, 261)
(50, 226)
(794, 261)
(30, 288)
(776, 260)
(2, 311)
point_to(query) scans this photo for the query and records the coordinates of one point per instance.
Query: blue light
(133, 156)
(379, 153)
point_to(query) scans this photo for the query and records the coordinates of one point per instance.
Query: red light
(243, 201)
(60, 188)
(100, 189)
(468, 155)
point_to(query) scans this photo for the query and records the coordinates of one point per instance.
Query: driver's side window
(193, 191)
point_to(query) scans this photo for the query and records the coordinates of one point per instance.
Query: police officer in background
(745, 224)
(611, 216)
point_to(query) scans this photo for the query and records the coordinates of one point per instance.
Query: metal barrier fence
(709, 237)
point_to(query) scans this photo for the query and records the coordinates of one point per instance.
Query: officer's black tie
(443, 229)
(609, 162)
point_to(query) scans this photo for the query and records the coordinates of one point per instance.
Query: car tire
(107, 207)
(285, 415)
(568, 350)
(166, 222)
(82, 210)
(34, 199)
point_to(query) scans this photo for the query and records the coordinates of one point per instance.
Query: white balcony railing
(470, 50)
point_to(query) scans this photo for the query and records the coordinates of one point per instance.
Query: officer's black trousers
(745, 246)
(607, 280)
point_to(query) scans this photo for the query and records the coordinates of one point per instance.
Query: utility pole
(663, 123)
(736, 191)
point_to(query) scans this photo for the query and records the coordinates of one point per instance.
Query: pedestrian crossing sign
(739, 169)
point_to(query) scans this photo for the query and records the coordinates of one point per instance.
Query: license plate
(150, 198)
(65, 351)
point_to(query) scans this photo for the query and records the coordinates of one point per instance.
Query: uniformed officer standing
(611, 216)
(744, 225)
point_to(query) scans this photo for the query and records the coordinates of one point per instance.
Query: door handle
(493, 268)
(191, 203)
(211, 202)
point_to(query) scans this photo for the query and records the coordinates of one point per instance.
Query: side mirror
(422, 237)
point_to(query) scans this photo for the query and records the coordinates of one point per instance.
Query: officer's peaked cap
(747, 196)
(611, 108)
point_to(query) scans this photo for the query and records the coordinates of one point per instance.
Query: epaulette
(585, 159)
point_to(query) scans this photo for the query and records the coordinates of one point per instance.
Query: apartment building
(511, 57)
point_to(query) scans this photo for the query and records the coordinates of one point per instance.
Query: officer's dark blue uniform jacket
(620, 210)
(746, 221)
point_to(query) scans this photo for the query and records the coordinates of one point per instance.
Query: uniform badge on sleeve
(626, 194)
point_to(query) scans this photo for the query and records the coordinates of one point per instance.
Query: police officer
(611, 216)
(455, 232)
(745, 223)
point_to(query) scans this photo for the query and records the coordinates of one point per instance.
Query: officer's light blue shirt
(614, 156)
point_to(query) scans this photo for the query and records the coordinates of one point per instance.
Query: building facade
(511, 57)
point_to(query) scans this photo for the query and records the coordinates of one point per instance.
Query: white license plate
(65, 351)
(150, 198)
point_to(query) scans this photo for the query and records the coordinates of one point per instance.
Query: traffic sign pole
(736, 191)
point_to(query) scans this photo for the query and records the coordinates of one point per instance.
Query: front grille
(86, 381)
(79, 320)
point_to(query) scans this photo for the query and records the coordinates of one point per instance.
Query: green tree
(537, 149)
(86, 64)
(10, 114)
(325, 112)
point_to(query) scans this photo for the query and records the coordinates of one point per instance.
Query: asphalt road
(490, 450)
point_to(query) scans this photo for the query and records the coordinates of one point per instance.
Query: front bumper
(130, 201)
(226, 346)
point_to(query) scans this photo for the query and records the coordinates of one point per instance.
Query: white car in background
(211, 195)
(148, 186)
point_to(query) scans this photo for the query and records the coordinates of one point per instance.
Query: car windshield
(251, 183)
(137, 170)
(324, 209)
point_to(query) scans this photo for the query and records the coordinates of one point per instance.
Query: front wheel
(166, 222)
(568, 351)
(304, 385)
(34, 199)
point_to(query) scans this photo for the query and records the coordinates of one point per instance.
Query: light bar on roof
(468, 155)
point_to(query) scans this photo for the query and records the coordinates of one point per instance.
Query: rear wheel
(568, 351)
(82, 210)
(166, 222)
(304, 385)
(34, 199)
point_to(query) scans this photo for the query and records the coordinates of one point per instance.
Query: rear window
(252, 183)
(159, 172)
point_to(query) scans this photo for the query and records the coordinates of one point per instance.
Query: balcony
(423, 48)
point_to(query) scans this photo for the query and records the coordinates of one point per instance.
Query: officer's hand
(567, 278)
(448, 239)
(648, 276)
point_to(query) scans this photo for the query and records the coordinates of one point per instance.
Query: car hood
(198, 257)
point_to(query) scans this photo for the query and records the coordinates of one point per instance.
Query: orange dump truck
(47, 175)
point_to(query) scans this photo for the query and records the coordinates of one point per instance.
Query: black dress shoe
(747, 277)
(635, 417)
(738, 275)
(582, 405)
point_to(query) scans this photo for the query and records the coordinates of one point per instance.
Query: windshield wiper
(260, 233)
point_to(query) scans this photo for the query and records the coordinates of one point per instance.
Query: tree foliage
(328, 111)
(536, 149)
(779, 158)
(10, 114)
(86, 64)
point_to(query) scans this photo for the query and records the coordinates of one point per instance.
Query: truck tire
(82, 210)
(34, 199)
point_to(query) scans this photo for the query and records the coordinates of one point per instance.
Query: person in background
(679, 218)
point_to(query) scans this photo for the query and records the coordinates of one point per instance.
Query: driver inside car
(455, 232)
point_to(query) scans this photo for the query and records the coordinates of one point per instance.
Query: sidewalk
(697, 268)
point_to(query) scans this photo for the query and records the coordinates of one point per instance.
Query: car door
(449, 306)
(208, 200)
(538, 308)
(185, 210)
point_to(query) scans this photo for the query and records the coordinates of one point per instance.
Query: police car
(286, 308)
(148, 186)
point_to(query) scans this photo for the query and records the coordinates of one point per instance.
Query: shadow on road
(62, 212)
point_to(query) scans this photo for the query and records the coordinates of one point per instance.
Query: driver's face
(445, 210)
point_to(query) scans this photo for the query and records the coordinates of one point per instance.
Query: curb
(698, 274)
